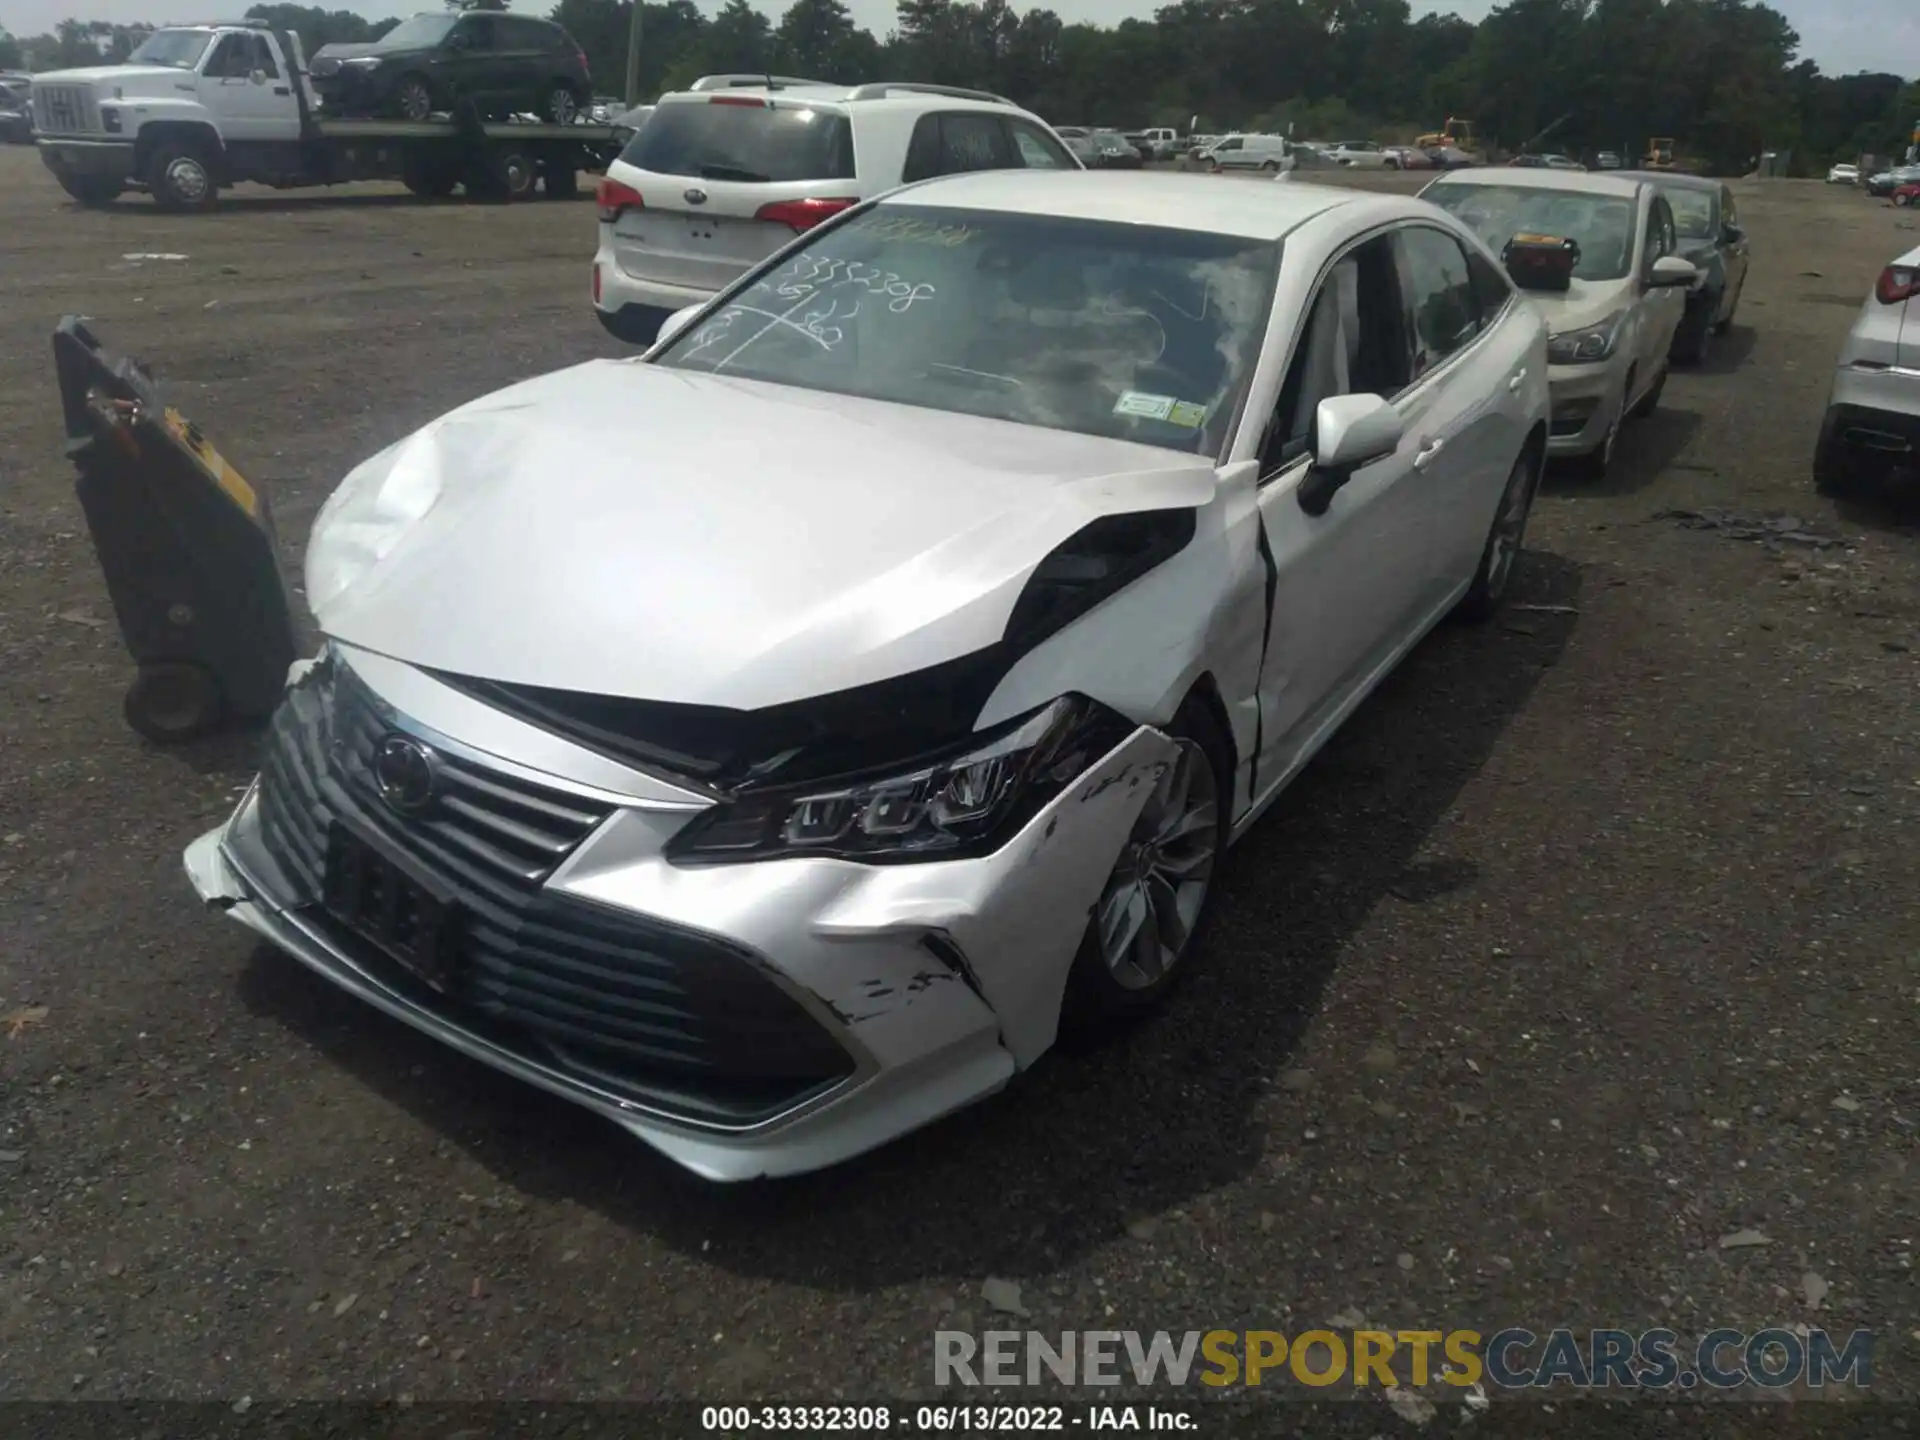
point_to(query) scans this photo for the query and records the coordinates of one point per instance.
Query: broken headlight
(946, 808)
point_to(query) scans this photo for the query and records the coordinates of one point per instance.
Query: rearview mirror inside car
(676, 322)
(1672, 270)
(1350, 432)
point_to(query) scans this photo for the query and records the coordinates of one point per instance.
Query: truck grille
(677, 1020)
(65, 110)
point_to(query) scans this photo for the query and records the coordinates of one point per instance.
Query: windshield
(421, 31)
(1692, 212)
(179, 49)
(1601, 225)
(1126, 331)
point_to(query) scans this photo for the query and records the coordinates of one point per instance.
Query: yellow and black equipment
(186, 545)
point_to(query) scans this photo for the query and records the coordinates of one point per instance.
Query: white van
(1250, 152)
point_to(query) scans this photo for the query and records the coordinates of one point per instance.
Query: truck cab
(187, 108)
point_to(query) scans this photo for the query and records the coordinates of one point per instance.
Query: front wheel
(1141, 928)
(92, 190)
(1271, 167)
(1596, 463)
(1694, 343)
(559, 106)
(1501, 556)
(180, 178)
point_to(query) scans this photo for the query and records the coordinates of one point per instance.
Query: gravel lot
(1592, 941)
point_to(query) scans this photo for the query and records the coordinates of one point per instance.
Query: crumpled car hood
(624, 529)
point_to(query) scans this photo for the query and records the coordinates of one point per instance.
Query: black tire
(181, 177)
(428, 179)
(1693, 343)
(1721, 327)
(1506, 539)
(172, 702)
(1836, 471)
(92, 191)
(412, 98)
(501, 176)
(632, 327)
(1097, 998)
(560, 105)
(561, 180)
(1272, 167)
(1598, 462)
(1650, 401)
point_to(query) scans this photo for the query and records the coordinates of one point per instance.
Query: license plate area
(407, 919)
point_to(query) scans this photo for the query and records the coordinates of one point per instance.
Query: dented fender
(1017, 916)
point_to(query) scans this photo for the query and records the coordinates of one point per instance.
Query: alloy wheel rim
(188, 178)
(415, 103)
(1511, 527)
(560, 106)
(1153, 898)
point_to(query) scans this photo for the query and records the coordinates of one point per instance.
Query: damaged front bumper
(902, 992)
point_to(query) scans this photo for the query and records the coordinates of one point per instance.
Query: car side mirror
(1732, 234)
(457, 41)
(676, 322)
(259, 77)
(1350, 433)
(1670, 270)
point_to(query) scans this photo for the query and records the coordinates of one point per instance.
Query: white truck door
(247, 91)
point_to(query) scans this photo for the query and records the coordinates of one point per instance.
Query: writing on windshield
(1126, 331)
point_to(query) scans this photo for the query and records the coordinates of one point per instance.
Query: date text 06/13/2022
(943, 1419)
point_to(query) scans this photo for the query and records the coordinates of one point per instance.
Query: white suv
(1872, 427)
(726, 173)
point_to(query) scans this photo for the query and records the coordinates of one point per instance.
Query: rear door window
(953, 144)
(744, 142)
(1038, 150)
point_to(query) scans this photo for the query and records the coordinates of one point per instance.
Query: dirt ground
(1593, 941)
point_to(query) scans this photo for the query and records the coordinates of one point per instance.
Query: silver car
(1872, 425)
(1614, 323)
(996, 554)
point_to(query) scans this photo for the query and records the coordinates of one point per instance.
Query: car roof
(1140, 197)
(1679, 181)
(1583, 182)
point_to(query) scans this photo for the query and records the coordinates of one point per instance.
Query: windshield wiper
(732, 172)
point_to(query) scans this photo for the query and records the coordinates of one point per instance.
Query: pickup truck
(197, 108)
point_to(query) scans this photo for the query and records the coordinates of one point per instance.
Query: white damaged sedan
(768, 742)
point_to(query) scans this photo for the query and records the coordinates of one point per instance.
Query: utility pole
(633, 58)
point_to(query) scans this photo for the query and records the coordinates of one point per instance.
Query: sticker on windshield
(1187, 414)
(1147, 407)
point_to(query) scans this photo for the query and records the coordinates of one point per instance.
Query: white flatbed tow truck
(235, 104)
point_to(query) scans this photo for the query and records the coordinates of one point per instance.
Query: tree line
(1722, 77)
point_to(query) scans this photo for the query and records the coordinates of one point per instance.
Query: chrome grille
(673, 1018)
(65, 110)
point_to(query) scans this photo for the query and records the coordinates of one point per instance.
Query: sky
(1842, 35)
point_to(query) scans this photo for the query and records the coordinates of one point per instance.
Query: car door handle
(1517, 379)
(1424, 457)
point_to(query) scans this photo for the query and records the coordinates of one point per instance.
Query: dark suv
(504, 64)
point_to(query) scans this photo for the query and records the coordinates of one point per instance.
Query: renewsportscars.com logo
(1513, 1359)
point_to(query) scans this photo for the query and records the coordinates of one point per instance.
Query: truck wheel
(501, 176)
(172, 702)
(428, 180)
(559, 106)
(95, 190)
(413, 98)
(179, 177)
